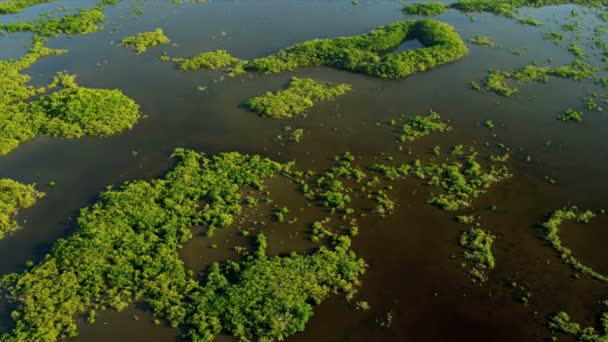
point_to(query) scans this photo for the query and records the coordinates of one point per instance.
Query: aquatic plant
(550, 232)
(73, 111)
(142, 41)
(507, 7)
(425, 8)
(496, 81)
(482, 40)
(13, 197)
(561, 322)
(297, 98)
(367, 53)
(16, 6)
(125, 248)
(421, 126)
(212, 60)
(477, 244)
(83, 22)
(571, 115)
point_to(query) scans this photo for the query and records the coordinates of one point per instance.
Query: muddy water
(416, 272)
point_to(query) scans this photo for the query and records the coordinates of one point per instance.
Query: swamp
(322, 170)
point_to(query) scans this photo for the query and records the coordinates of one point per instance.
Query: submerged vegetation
(13, 197)
(425, 8)
(297, 98)
(70, 112)
(142, 41)
(125, 249)
(550, 232)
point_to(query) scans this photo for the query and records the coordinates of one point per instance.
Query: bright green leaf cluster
(425, 8)
(16, 6)
(142, 41)
(14, 196)
(297, 98)
(421, 126)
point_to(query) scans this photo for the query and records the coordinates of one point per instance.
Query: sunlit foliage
(14, 196)
(142, 41)
(301, 94)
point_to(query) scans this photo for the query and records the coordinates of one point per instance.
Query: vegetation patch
(507, 8)
(297, 98)
(16, 6)
(212, 60)
(482, 41)
(142, 41)
(421, 126)
(13, 197)
(560, 322)
(425, 8)
(550, 232)
(571, 115)
(497, 80)
(71, 112)
(126, 249)
(83, 22)
(477, 243)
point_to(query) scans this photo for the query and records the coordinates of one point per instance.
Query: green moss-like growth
(560, 322)
(71, 112)
(212, 60)
(496, 81)
(83, 22)
(478, 250)
(367, 53)
(16, 6)
(126, 248)
(425, 8)
(482, 40)
(142, 41)
(14, 196)
(421, 126)
(297, 98)
(551, 233)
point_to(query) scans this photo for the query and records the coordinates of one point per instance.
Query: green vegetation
(478, 250)
(213, 60)
(71, 112)
(421, 126)
(367, 53)
(83, 22)
(126, 249)
(551, 233)
(507, 7)
(16, 6)
(560, 322)
(425, 8)
(576, 50)
(496, 81)
(462, 182)
(571, 115)
(482, 40)
(297, 98)
(14, 196)
(554, 36)
(529, 21)
(142, 41)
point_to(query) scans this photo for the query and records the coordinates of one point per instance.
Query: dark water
(415, 263)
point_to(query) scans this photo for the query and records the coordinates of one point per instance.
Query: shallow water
(415, 265)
